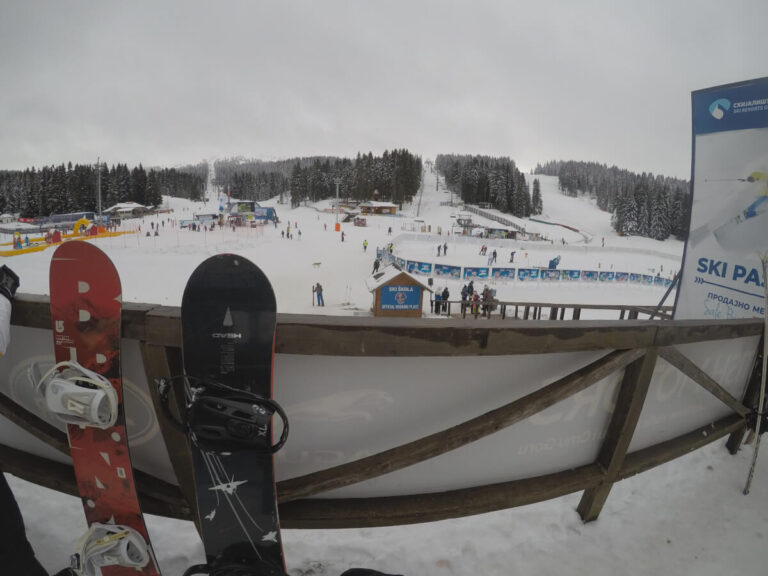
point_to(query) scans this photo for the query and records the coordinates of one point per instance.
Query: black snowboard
(228, 326)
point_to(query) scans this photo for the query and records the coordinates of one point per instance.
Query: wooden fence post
(629, 404)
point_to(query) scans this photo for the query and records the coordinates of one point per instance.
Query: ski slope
(154, 269)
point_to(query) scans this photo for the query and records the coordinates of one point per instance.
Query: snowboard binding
(109, 545)
(79, 396)
(238, 419)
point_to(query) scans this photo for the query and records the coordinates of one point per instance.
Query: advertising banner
(470, 273)
(722, 274)
(589, 275)
(606, 277)
(621, 277)
(527, 274)
(400, 263)
(450, 271)
(647, 280)
(571, 275)
(424, 268)
(503, 273)
(550, 275)
(401, 298)
(635, 278)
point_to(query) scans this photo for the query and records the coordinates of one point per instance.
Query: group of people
(442, 248)
(441, 300)
(477, 301)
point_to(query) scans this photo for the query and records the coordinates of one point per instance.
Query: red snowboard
(86, 304)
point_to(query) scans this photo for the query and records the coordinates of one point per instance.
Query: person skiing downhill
(16, 553)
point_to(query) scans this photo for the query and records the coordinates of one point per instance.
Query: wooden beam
(156, 496)
(629, 405)
(751, 398)
(687, 367)
(156, 365)
(358, 336)
(411, 509)
(33, 424)
(647, 458)
(456, 436)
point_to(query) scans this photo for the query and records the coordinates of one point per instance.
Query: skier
(494, 256)
(16, 554)
(512, 256)
(445, 249)
(376, 264)
(342, 236)
(439, 248)
(365, 245)
(319, 291)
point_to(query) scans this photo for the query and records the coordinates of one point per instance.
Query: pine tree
(537, 202)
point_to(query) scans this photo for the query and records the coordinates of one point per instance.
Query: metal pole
(337, 200)
(98, 187)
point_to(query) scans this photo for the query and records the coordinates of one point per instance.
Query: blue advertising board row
(530, 274)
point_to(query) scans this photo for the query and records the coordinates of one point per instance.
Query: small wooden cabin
(396, 293)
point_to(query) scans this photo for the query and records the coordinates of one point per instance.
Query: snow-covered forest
(61, 189)
(642, 204)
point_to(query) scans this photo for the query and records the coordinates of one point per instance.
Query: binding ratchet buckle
(109, 545)
(79, 396)
(239, 419)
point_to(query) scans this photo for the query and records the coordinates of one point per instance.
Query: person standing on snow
(365, 245)
(319, 291)
(16, 553)
(376, 264)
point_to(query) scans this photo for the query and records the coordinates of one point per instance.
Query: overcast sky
(176, 82)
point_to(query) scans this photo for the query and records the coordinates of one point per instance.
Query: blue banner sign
(470, 273)
(527, 274)
(658, 281)
(729, 206)
(570, 275)
(621, 277)
(635, 278)
(424, 268)
(589, 275)
(401, 298)
(444, 270)
(504, 273)
(550, 275)
(606, 277)
(647, 280)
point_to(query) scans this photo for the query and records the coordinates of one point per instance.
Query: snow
(685, 517)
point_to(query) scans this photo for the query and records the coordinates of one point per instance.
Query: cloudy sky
(176, 82)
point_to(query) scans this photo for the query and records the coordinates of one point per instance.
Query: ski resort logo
(719, 107)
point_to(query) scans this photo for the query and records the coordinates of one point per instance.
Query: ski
(84, 389)
(228, 316)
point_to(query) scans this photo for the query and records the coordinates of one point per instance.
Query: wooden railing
(632, 346)
(542, 310)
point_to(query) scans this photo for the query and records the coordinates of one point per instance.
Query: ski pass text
(728, 270)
